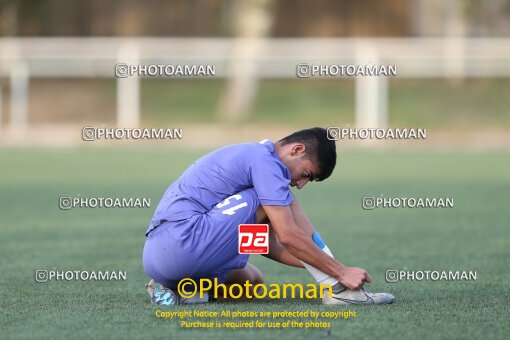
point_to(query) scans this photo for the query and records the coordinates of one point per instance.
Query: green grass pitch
(474, 235)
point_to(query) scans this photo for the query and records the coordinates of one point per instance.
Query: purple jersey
(222, 173)
(194, 231)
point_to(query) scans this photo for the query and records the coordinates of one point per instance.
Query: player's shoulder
(262, 149)
(252, 149)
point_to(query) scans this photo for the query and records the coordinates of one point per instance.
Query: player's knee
(259, 280)
(256, 276)
(261, 216)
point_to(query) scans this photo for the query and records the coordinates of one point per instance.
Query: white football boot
(343, 296)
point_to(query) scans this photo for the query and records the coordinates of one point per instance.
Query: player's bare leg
(341, 295)
(236, 279)
(276, 251)
(164, 296)
(251, 273)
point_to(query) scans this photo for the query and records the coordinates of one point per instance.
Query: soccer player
(194, 231)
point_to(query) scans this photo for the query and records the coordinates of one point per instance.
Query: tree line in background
(287, 18)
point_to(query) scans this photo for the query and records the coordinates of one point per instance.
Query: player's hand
(353, 277)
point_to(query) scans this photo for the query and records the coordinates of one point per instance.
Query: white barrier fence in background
(25, 58)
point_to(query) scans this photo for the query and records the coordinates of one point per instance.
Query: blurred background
(57, 76)
(57, 61)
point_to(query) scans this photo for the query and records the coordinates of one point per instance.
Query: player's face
(303, 171)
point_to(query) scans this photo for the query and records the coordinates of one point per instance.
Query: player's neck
(278, 148)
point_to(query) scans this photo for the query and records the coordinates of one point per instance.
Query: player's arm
(299, 244)
(300, 217)
(278, 253)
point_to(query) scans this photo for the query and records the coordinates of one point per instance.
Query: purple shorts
(204, 246)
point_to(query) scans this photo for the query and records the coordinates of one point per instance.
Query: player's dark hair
(318, 148)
